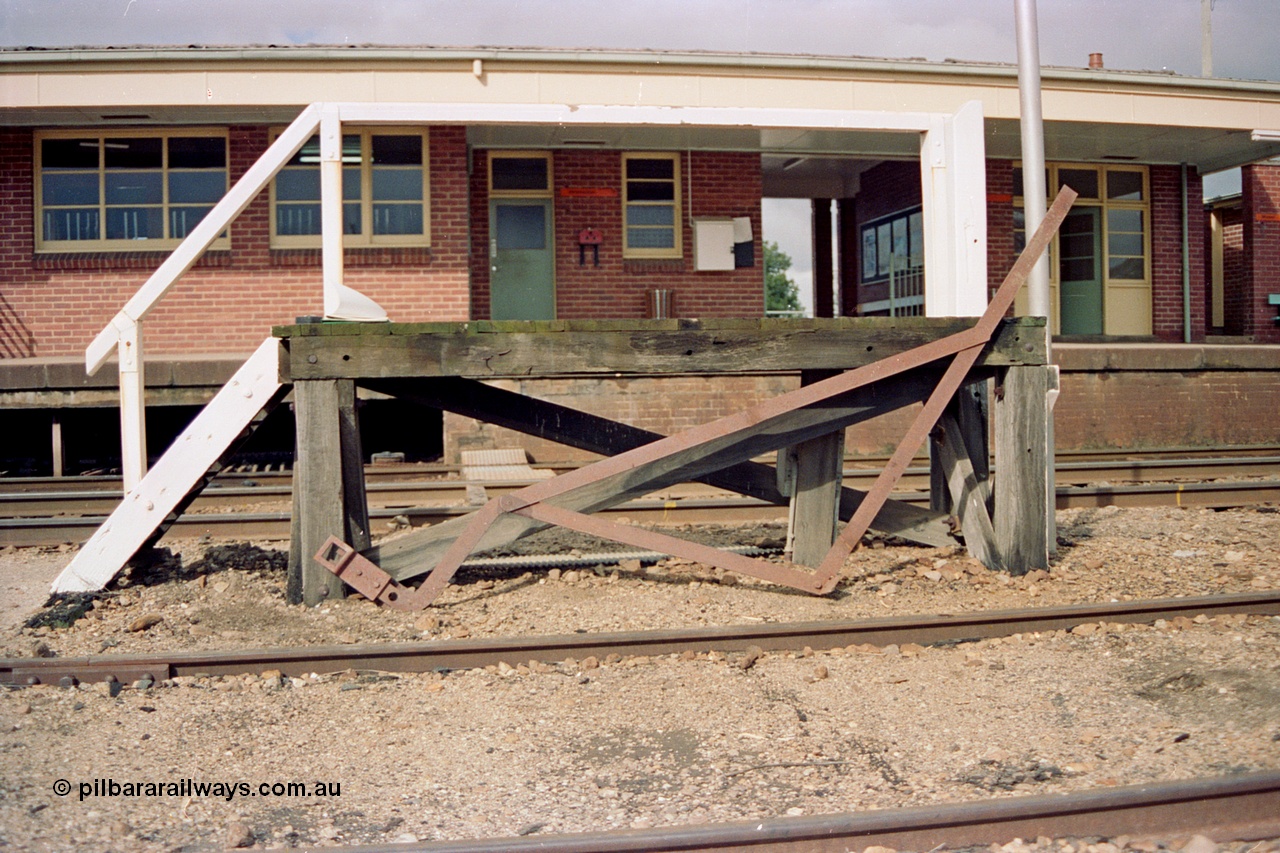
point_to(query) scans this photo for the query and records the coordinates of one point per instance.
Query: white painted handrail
(124, 333)
(200, 238)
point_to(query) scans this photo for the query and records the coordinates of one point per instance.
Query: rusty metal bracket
(366, 578)
(713, 445)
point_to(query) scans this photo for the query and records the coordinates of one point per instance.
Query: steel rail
(33, 500)
(1232, 808)
(1123, 465)
(470, 653)
(1220, 494)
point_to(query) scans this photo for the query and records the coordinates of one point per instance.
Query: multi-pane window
(1100, 259)
(651, 206)
(133, 190)
(1122, 195)
(384, 192)
(892, 244)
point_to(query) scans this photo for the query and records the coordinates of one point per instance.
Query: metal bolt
(311, 359)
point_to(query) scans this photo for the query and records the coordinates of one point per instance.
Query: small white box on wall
(713, 244)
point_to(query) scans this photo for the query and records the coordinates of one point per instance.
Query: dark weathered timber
(317, 488)
(639, 348)
(1022, 454)
(354, 499)
(815, 501)
(967, 494)
(970, 410)
(419, 552)
(584, 431)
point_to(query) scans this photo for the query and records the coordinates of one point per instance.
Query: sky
(1146, 35)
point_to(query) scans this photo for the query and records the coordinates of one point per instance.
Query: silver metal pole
(1206, 38)
(1034, 193)
(1035, 201)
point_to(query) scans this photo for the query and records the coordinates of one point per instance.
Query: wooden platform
(483, 349)
(442, 365)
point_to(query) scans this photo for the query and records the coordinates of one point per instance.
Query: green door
(521, 260)
(1080, 273)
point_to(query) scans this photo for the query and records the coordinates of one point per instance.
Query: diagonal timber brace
(773, 424)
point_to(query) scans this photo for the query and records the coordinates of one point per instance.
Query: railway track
(471, 653)
(1243, 808)
(51, 512)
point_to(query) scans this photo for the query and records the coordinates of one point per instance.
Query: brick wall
(1000, 251)
(1260, 185)
(664, 405)
(1143, 406)
(53, 305)
(1166, 253)
(1234, 298)
(1104, 410)
(712, 184)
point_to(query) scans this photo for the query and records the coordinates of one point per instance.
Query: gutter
(989, 70)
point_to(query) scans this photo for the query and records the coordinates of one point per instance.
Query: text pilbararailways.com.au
(196, 788)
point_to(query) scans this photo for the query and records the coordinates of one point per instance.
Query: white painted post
(953, 179)
(331, 208)
(133, 407)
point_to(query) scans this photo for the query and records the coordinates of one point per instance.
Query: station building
(490, 207)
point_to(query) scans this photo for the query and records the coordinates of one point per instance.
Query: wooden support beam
(596, 434)
(59, 452)
(354, 499)
(760, 431)
(967, 493)
(970, 409)
(318, 492)
(1024, 500)
(487, 350)
(815, 502)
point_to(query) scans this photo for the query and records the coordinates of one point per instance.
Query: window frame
(366, 238)
(102, 136)
(870, 228)
(1112, 286)
(676, 205)
(520, 154)
(1104, 205)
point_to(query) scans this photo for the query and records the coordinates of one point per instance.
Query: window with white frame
(384, 192)
(651, 206)
(143, 189)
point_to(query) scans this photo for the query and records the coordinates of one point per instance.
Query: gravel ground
(540, 747)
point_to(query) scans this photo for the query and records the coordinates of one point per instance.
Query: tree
(780, 292)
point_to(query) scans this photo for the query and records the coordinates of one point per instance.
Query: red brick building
(505, 203)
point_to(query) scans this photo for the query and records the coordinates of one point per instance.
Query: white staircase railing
(123, 334)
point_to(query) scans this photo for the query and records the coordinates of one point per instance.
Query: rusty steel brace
(359, 573)
(965, 347)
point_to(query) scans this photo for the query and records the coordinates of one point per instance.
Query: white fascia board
(417, 113)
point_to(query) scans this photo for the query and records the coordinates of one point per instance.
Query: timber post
(971, 411)
(326, 497)
(1024, 495)
(815, 501)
